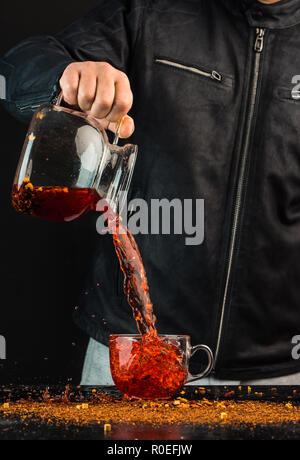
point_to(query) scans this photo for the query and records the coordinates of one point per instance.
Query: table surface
(18, 429)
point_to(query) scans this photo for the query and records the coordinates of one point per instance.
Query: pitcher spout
(115, 174)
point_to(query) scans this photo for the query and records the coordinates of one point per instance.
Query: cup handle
(210, 365)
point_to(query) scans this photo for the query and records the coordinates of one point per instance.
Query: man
(216, 118)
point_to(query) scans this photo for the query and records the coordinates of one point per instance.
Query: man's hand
(100, 90)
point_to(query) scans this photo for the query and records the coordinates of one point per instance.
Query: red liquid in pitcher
(57, 204)
(154, 369)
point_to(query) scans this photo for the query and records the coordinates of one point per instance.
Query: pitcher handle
(119, 125)
(59, 99)
(210, 365)
(117, 133)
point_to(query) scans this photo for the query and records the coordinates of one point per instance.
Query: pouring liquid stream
(151, 368)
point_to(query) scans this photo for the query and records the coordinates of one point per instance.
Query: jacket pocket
(214, 75)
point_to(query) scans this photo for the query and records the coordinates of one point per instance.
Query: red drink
(57, 204)
(135, 280)
(146, 368)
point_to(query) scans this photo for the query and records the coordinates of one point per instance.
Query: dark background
(43, 264)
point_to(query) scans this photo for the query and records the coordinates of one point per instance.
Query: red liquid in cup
(147, 368)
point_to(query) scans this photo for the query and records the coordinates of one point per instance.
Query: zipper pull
(259, 42)
(216, 76)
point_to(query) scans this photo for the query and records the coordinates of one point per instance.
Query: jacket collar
(281, 15)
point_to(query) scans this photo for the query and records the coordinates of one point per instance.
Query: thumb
(126, 129)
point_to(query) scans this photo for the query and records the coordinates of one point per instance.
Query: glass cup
(153, 367)
(68, 165)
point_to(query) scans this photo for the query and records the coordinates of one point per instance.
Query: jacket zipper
(29, 107)
(258, 48)
(214, 75)
(56, 100)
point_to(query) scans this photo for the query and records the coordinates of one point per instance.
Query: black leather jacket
(215, 119)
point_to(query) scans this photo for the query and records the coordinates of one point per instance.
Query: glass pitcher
(67, 165)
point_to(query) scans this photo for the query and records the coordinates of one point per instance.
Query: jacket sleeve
(32, 69)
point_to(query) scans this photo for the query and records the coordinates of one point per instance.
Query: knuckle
(129, 99)
(105, 66)
(90, 65)
(96, 111)
(85, 96)
(124, 104)
(123, 76)
(68, 75)
(69, 86)
(73, 67)
(105, 103)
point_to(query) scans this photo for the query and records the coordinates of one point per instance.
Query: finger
(87, 90)
(127, 127)
(69, 83)
(123, 100)
(104, 99)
